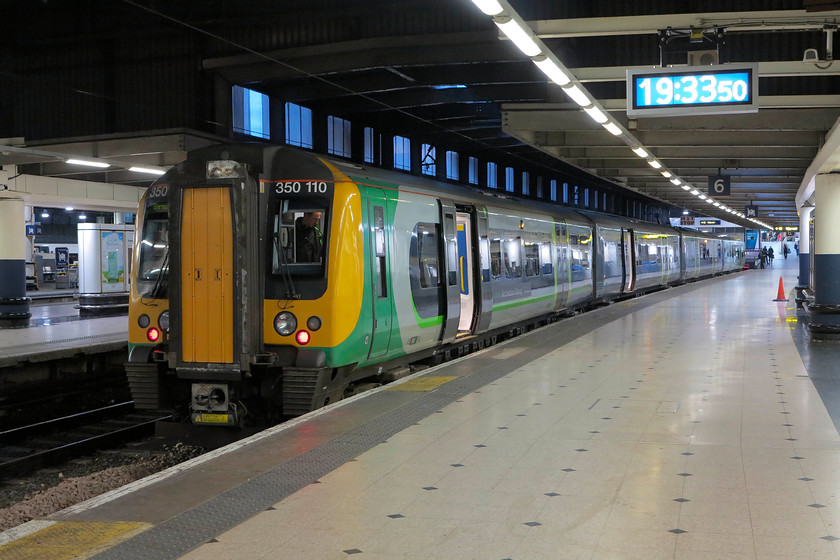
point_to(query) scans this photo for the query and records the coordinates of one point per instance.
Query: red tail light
(153, 334)
(302, 337)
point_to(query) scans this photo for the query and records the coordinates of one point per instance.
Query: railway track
(27, 448)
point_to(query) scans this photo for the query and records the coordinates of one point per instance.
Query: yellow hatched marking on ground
(422, 384)
(64, 541)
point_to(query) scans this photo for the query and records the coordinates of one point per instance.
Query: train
(269, 281)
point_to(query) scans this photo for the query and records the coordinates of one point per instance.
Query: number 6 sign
(719, 185)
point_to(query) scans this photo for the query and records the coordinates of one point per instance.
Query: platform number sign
(751, 211)
(719, 185)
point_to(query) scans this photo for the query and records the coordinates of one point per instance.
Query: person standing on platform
(785, 250)
(763, 256)
(770, 255)
(796, 248)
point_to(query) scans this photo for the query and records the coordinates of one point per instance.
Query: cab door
(207, 304)
(380, 271)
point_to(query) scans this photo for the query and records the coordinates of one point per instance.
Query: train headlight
(163, 320)
(143, 321)
(285, 323)
(313, 323)
(302, 337)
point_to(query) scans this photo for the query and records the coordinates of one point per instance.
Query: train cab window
(154, 255)
(298, 237)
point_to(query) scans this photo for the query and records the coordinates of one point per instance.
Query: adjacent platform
(682, 425)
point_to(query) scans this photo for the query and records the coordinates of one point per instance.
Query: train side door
(464, 240)
(629, 251)
(451, 276)
(562, 267)
(380, 273)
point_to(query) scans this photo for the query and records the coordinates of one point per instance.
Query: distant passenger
(308, 237)
(770, 255)
(785, 250)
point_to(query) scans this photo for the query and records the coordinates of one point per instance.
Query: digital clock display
(692, 90)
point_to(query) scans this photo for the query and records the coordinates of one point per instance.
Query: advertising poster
(113, 263)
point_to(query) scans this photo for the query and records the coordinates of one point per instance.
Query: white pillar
(14, 305)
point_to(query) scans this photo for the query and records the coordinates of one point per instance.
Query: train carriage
(272, 281)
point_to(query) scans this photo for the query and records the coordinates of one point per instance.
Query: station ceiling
(441, 71)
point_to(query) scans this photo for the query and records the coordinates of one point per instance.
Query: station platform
(56, 330)
(692, 423)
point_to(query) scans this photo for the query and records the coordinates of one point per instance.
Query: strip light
(518, 36)
(640, 152)
(655, 164)
(666, 174)
(489, 7)
(147, 170)
(554, 72)
(676, 181)
(101, 164)
(597, 115)
(612, 128)
(578, 96)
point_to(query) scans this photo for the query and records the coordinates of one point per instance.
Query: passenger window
(427, 254)
(496, 258)
(513, 258)
(532, 259)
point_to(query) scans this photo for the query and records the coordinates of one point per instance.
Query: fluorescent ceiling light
(686, 187)
(578, 96)
(597, 115)
(69, 208)
(686, 212)
(82, 217)
(716, 204)
(701, 196)
(519, 37)
(88, 163)
(640, 152)
(666, 174)
(612, 128)
(676, 181)
(489, 7)
(695, 192)
(147, 170)
(710, 201)
(655, 164)
(554, 72)
(45, 214)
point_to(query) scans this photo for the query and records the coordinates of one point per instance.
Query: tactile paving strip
(177, 536)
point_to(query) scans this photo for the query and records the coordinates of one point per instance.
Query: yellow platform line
(70, 540)
(422, 384)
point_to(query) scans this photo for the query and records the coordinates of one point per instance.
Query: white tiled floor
(687, 430)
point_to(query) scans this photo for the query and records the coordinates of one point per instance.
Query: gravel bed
(49, 490)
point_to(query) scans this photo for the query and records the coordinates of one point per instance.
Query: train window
(513, 258)
(298, 237)
(379, 250)
(154, 256)
(484, 254)
(496, 258)
(427, 254)
(532, 259)
(545, 258)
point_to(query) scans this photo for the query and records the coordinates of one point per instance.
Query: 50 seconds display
(692, 91)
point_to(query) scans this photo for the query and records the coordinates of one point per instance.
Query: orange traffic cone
(781, 295)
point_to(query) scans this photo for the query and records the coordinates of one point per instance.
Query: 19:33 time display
(653, 91)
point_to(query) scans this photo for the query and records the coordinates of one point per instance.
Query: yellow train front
(237, 311)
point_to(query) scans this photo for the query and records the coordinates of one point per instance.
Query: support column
(804, 248)
(824, 312)
(14, 305)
